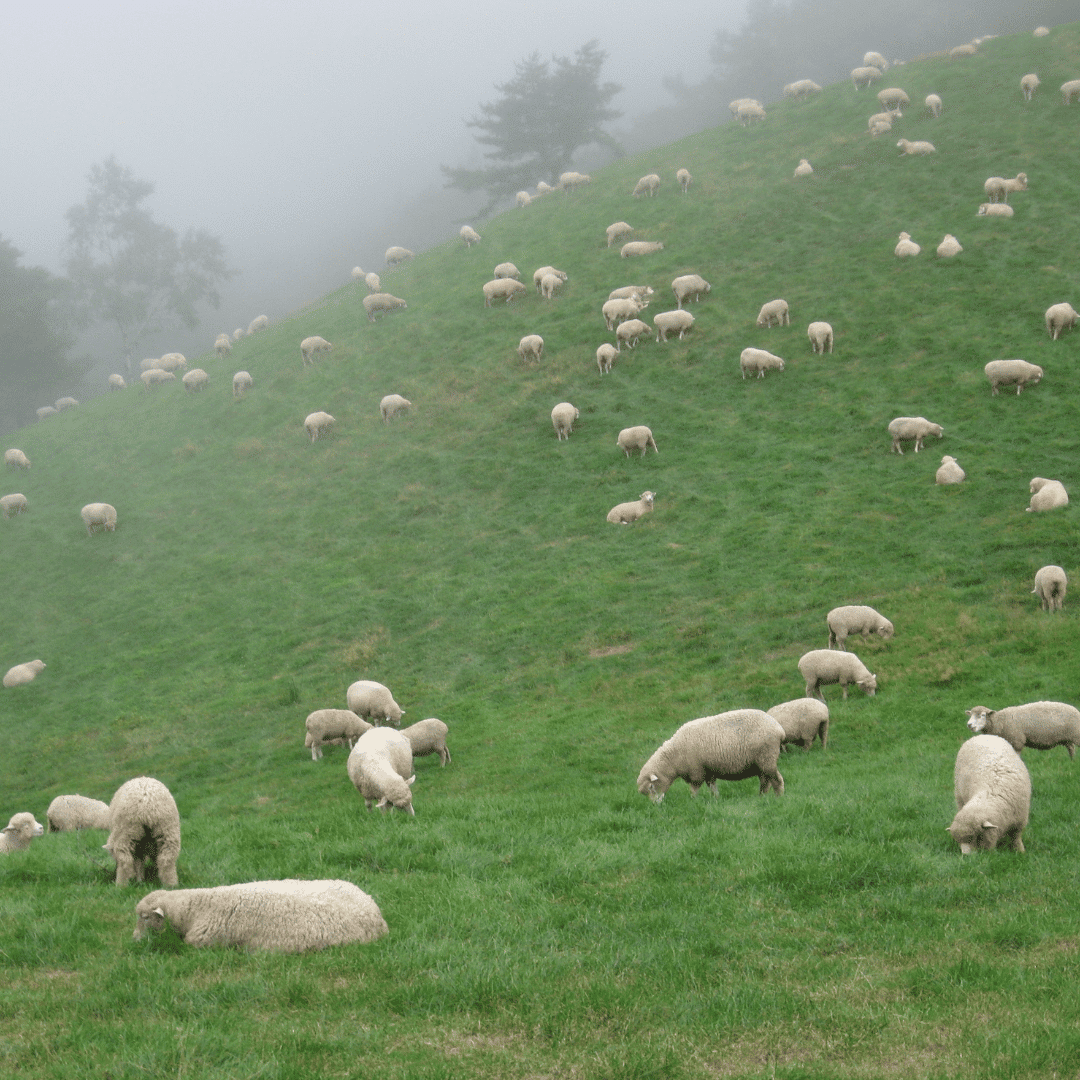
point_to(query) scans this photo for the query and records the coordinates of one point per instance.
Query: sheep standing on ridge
(639, 437)
(775, 311)
(260, 322)
(949, 472)
(318, 423)
(563, 417)
(46, 411)
(962, 51)
(357, 274)
(684, 178)
(98, 514)
(912, 428)
(748, 112)
(15, 503)
(21, 674)
(1016, 373)
(1050, 586)
(822, 666)
(144, 827)
(311, 346)
(856, 619)
(523, 198)
(373, 282)
(1059, 317)
(19, 831)
(821, 337)
(1047, 494)
(625, 513)
(993, 795)
(1028, 85)
(117, 382)
(391, 405)
(65, 403)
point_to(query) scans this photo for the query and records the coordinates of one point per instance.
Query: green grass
(545, 918)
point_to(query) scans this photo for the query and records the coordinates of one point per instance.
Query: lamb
(325, 726)
(21, 674)
(802, 720)
(627, 512)
(629, 332)
(15, 503)
(949, 472)
(65, 403)
(672, 322)
(1028, 85)
(289, 916)
(994, 210)
(380, 767)
(804, 168)
(374, 702)
(156, 376)
(604, 357)
(993, 795)
(172, 361)
(223, 346)
(749, 112)
(19, 831)
(893, 98)
(933, 105)
(531, 346)
(395, 256)
(549, 283)
(1047, 494)
(821, 337)
(563, 417)
(636, 438)
(428, 737)
(617, 231)
(647, 185)
(241, 381)
(731, 745)
(1050, 586)
(195, 380)
(68, 813)
(1040, 724)
(469, 235)
(144, 827)
(506, 270)
(774, 311)
(312, 345)
(821, 666)
(684, 178)
(949, 247)
(502, 289)
(541, 272)
(1059, 317)
(1070, 91)
(864, 76)
(916, 428)
(875, 59)
(117, 382)
(856, 619)
(997, 188)
(391, 405)
(260, 322)
(381, 302)
(690, 287)
(95, 514)
(46, 411)
(1010, 373)
(640, 247)
(16, 459)
(759, 360)
(318, 423)
(373, 283)
(631, 292)
(918, 148)
(523, 198)
(906, 248)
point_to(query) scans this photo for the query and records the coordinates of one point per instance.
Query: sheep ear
(381, 804)
(411, 780)
(653, 778)
(988, 825)
(158, 911)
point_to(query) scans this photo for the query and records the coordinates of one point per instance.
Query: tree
(545, 114)
(132, 272)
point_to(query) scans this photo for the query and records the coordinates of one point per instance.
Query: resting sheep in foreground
(542, 272)
(395, 255)
(16, 459)
(617, 231)
(1047, 494)
(733, 745)
(672, 322)
(469, 235)
(604, 357)
(318, 423)
(684, 178)
(856, 619)
(241, 381)
(312, 345)
(949, 247)
(638, 437)
(391, 405)
(993, 795)
(949, 472)
(67, 813)
(530, 347)
(381, 302)
(625, 513)
(1039, 724)
(325, 726)
(759, 360)
(428, 737)
(290, 916)
(803, 720)
(1058, 317)
(15, 503)
(629, 332)
(21, 674)
(19, 831)
(647, 185)
(380, 767)
(117, 382)
(689, 287)
(775, 311)
(1050, 585)
(98, 514)
(374, 702)
(994, 210)
(195, 380)
(144, 827)
(1016, 373)
(933, 105)
(563, 417)
(918, 148)
(502, 289)
(998, 188)
(912, 428)
(820, 667)
(906, 248)
(641, 247)
(821, 337)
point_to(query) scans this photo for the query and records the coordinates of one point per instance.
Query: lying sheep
(629, 332)
(290, 915)
(775, 311)
(1016, 373)
(647, 185)
(1070, 91)
(117, 382)
(21, 674)
(381, 302)
(549, 285)
(1028, 85)
(617, 231)
(15, 503)
(241, 381)
(631, 292)
(144, 827)
(804, 168)
(604, 357)
(16, 459)
(993, 795)
(821, 337)
(391, 405)
(994, 210)
(684, 178)
(563, 417)
(893, 98)
(906, 248)
(949, 247)
(949, 472)
(374, 702)
(879, 123)
(803, 720)
(310, 346)
(822, 666)
(731, 745)
(639, 437)
(933, 105)
(625, 513)
(530, 347)
(98, 514)
(318, 423)
(759, 360)
(428, 737)
(380, 767)
(506, 270)
(640, 247)
(856, 619)
(908, 428)
(373, 282)
(1047, 494)
(672, 322)
(502, 289)
(195, 380)
(19, 831)
(395, 255)
(1059, 317)
(918, 148)
(998, 188)
(542, 271)
(156, 376)
(1050, 586)
(325, 726)
(68, 813)
(469, 235)
(65, 403)
(689, 287)
(46, 411)
(863, 76)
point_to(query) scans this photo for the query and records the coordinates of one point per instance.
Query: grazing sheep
(856, 619)
(237, 334)
(195, 380)
(907, 247)
(629, 333)
(905, 428)
(144, 827)
(862, 77)
(374, 702)
(543, 188)
(549, 284)
(1016, 373)
(949, 472)
(689, 287)
(632, 292)
(502, 289)
(15, 503)
(469, 235)
(647, 185)
(68, 813)
(16, 459)
(1059, 317)
(381, 302)
(734, 105)
(428, 737)
(617, 231)
(506, 270)
(1050, 586)
(993, 795)
(640, 247)
(604, 357)
(636, 438)
(65, 403)
(563, 417)
(241, 381)
(619, 310)
(933, 105)
(774, 311)
(625, 513)
(893, 98)
(998, 188)
(19, 831)
(117, 382)
(172, 361)
(391, 405)
(325, 726)
(1028, 85)
(570, 181)
(312, 345)
(373, 282)
(223, 346)
(156, 376)
(918, 148)
(962, 50)
(803, 720)
(821, 666)
(801, 88)
(731, 745)
(260, 322)
(357, 274)
(749, 112)
(881, 122)
(380, 767)
(685, 179)
(1040, 31)
(1070, 91)
(994, 210)
(821, 337)
(289, 916)
(542, 272)
(46, 411)
(949, 247)
(318, 423)
(395, 256)
(875, 59)
(759, 360)
(21, 674)
(1047, 494)
(804, 168)
(523, 198)
(95, 514)
(531, 346)
(672, 322)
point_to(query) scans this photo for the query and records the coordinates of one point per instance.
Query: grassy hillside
(546, 920)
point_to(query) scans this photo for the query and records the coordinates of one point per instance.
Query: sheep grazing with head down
(875, 59)
(684, 178)
(823, 666)
(617, 231)
(380, 767)
(801, 89)
(530, 347)
(856, 619)
(469, 235)
(195, 380)
(506, 270)
(605, 355)
(912, 429)
(117, 382)
(563, 417)
(639, 437)
(1070, 91)
(374, 702)
(241, 381)
(156, 376)
(627, 512)
(759, 360)
(391, 405)
(523, 198)
(428, 737)
(318, 423)
(173, 361)
(647, 185)
(144, 828)
(1060, 317)
(223, 346)
(542, 272)
(750, 111)
(550, 285)
(1028, 85)
(821, 337)
(620, 309)
(310, 347)
(962, 51)
(15, 503)
(774, 311)
(893, 98)
(1050, 586)
(97, 515)
(672, 322)
(19, 831)
(949, 472)
(1047, 494)
(21, 674)
(357, 274)
(324, 727)
(373, 282)
(993, 795)
(933, 105)
(16, 459)
(571, 181)
(630, 332)
(735, 105)
(395, 255)
(260, 322)
(1040, 31)
(67, 813)
(381, 303)
(502, 289)
(689, 287)
(1016, 373)
(803, 720)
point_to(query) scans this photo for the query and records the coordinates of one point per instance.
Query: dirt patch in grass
(610, 650)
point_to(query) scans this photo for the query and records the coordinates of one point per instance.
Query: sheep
(617, 231)
(21, 674)
(774, 311)
(395, 255)
(994, 210)
(570, 181)
(625, 513)
(562, 419)
(1012, 372)
(640, 247)
(223, 346)
(144, 826)
(993, 795)
(949, 472)
(1046, 494)
(241, 381)
(804, 168)
(997, 188)
(629, 332)
(1040, 31)
(469, 235)
(380, 767)
(803, 720)
(374, 702)
(1059, 317)
(962, 51)
(1050, 586)
(801, 88)
(15, 503)
(156, 376)
(856, 619)
(237, 334)
(541, 272)
(195, 380)
(19, 831)
(904, 428)
(68, 813)
(821, 666)
(288, 916)
(531, 346)
(759, 360)
(949, 247)
(45, 411)
(690, 287)
(428, 737)
(685, 179)
(549, 283)
(117, 382)
(918, 148)
(734, 105)
(647, 185)
(731, 745)
(318, 423)
(906, 248)
(325, 726)
(543, 188)
(391, 405)
(821, 337)
(95, 514)
(1039, 724)
(639, 437)
(1028, 85)
(381, 302)
(893, 98)
(749, 112)
(312, 345)
(1070, 91)
(357, 274)
(604, 357)
(631, 292)
(65, 403)
(373, 283)
(172, 361)
(863, 76)
(502, 289)
(619, 310)
(881, 122)
(16, 459)
(933, 105)
(875, 59)
(523, 198)
(506, 270)
(671, 322)
(260, 322)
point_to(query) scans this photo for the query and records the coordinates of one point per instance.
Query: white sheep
(640, 247)
(530, 347)
(912, 428)
(150, 364)
(289, 916)
(821, 337)
(98, 514)
(1070, 91)
(949, 472)
(223, 346)
(502, 289)
(863, 76)
(689, 287)
(172, 361)
(998, 188)
(117, 382)
(543, 188)
(374, 702)
(1016, 373)
(918, 148)
(822, 666)
(731, 745)
(1050, 586)
(549, 285)
(801, 88)
(46, 411)
(19, 831)
(380, 767)
(734, 105)
(620, 309)
(628, 333)
(326, 726)
(241, 381)
(237, 334)
(949, 247)
(570, 181)
(506, 270)
(617, 230)
(647, 185)
(523, 198)
(804, 168)
(875, 59)
(395, 255)
(993, 795)
(260, 322)
(685, 179)
(759, 360)
(469, 235)
(625, 513)
(638, 437)
(21, 674)
(672, 322)
(542, 271)
(428, 737)
(1029, 83)
(15, 503)
(803, 720)
(1059, 317)
(748, 112)
(373, 282)
(1040, 31)
(391, 405)
(563, 417)
(195, 380)
(357, 274)
(318, 423)
(1046, 494)
(1039, 724)
(156, 376)
(893, 98)
(68, 813)
(16, 459)
(933, 104)
(906, 248)
(631, 292)
(962, 51)
(881, 122)
(144, 827)
(381, 302)
(856, 619)
(774, 311)
(310, 346)
(604, 357)
(994, 210)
